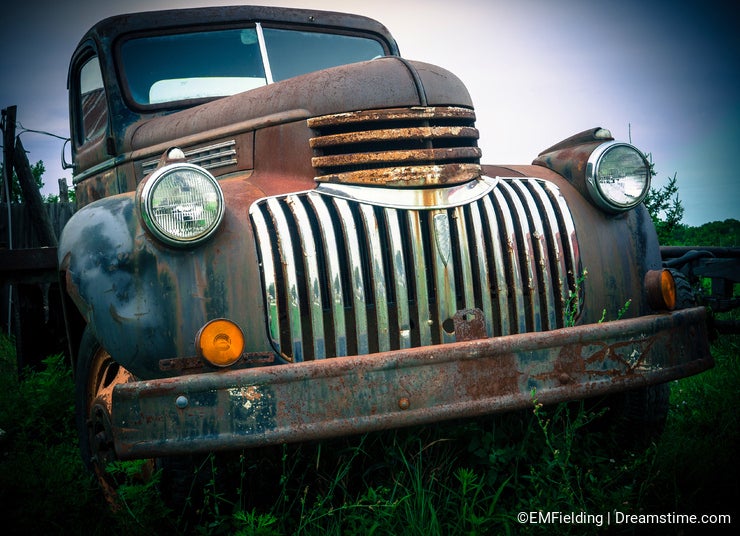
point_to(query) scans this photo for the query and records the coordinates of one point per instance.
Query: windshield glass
(170, 68)
(293, 53)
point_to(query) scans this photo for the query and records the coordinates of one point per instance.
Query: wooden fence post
(63, 191)
(32, 197)
(8, 145)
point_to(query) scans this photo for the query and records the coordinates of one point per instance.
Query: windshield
(171, 68)
(293, 53)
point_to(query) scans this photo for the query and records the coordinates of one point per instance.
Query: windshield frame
(135, 104)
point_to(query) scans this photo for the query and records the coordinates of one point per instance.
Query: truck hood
(387, 82)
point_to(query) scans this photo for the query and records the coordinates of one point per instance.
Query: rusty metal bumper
(342, 396)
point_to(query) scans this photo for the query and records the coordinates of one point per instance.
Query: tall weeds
(463, 477)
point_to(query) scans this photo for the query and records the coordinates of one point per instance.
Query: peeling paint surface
(341, 396)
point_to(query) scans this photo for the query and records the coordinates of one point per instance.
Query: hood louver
(405, 147)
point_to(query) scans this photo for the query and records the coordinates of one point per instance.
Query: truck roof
(110, 28)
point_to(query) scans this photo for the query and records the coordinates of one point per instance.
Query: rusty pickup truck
(285, 232)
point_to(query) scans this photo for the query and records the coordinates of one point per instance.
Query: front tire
(97, 374)
(95, 377)
(639, 416)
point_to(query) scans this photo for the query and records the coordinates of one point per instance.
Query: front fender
(145, 301)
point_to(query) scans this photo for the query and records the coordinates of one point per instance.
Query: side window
(92, 105)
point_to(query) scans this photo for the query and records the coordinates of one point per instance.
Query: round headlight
(182, 204)
(617, 176)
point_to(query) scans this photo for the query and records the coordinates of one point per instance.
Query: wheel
(638, 417)
(95, 377)
(685, 295)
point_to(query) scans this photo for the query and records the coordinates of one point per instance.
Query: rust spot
(251, 393)
(469, 324)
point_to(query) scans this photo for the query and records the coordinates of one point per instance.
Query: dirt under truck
(285, 233)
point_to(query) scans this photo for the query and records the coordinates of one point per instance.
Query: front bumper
(347, 395)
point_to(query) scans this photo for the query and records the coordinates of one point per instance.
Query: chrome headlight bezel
(613, 200)
(208, 203)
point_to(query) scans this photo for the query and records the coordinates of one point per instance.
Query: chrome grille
(344, 277)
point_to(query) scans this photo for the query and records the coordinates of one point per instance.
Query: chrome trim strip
(106, 165)
(412, 198)
(263, 52)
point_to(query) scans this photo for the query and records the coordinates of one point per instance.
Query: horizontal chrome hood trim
(412, 198)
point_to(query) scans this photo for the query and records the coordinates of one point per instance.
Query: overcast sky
(537, 70)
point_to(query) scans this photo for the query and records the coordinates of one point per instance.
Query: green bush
(42, 482)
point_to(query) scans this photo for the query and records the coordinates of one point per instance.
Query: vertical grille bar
(311, 275)
(377, 276)
(484, 279)
(290, 275)
(526, 261)
(499, 254)
(423, 315)
(541, 265)
(557, 270)
(345, 277)
(399, 277)
(444, 273)
(567, 235)
(269, 277)
(334, 270)
(357, 279)
(464, 251)
(514, 272)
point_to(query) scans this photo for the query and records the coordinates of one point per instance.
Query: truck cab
(286, 232)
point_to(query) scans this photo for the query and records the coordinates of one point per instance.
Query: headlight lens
(618, 176)
(182, 204)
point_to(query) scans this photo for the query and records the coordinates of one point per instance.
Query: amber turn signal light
(661, 290)
(220, 342)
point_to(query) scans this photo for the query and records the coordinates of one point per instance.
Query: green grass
(42, 481)
(468, 477)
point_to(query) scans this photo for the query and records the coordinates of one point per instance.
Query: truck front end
(322, 253)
